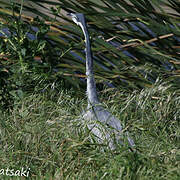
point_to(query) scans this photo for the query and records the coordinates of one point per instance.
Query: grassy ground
(40, 134)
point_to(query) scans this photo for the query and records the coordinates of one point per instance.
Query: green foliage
(41, 134)
(148, 30)
(24, 63)
(133, 43)
(37, 53)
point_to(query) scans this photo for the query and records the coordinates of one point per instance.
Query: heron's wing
(105, 126)
(105, 117)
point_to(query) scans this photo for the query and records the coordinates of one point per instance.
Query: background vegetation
(136, 47)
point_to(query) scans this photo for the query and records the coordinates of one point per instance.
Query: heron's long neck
(91, 85)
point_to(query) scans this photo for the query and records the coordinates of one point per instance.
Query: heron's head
(78, 18)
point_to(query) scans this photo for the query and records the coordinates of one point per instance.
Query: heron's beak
(69, 14)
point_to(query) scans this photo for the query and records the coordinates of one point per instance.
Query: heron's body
(101, 122)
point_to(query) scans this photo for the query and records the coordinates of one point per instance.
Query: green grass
(40, 133)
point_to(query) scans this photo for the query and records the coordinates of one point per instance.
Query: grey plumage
(101, 123)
